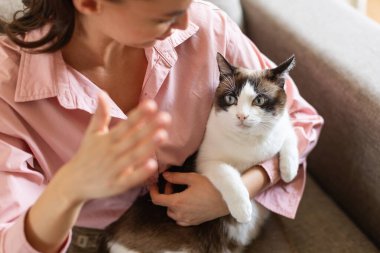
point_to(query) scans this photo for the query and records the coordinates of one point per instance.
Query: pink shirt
(45, 107)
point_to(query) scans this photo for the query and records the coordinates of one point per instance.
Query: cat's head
(247, 99)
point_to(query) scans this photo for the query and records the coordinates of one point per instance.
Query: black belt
(84, 240)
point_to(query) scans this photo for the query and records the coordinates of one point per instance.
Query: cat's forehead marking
(259, 80)
(267, 87)
(248, 90)
(244, 73)
(245, 77)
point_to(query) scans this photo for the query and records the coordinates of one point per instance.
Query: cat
(247, 125)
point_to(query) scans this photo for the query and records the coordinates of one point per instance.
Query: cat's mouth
(243, 125)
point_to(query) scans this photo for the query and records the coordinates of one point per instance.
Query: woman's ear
(88, 7)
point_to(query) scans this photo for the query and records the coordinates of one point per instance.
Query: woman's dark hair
(60, 14)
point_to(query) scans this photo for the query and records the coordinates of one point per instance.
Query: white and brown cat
(248, 124)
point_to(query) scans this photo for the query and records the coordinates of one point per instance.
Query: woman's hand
(199, 203)
(111, 161)
(108, 162)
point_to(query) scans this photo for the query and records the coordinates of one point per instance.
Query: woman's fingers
(179, 178)
(113, 160)
(143, 112)
(138, 175)
(154, 132)
(161, 199)
(143, 125)
(168, 188)
(101, 118)
(142, 150)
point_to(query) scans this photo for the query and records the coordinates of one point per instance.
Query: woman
(68, 162)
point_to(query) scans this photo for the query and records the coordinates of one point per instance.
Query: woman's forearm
(255, 179)
(51, 218)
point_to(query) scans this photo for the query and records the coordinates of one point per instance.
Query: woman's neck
(89, 49)
(107, 64)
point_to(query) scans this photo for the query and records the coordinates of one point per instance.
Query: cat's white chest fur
(243, 148)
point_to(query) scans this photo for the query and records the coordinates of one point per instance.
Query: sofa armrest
(338, 71)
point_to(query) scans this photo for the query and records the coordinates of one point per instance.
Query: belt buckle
(82, 241)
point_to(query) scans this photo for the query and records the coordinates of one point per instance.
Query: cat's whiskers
(266, 126)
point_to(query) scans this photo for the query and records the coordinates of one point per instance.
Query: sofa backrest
(232, 8)
(8, 8)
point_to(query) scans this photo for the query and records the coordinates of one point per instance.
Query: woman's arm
(201, 201)
(108, 162)
(50, 219)
(255, 179)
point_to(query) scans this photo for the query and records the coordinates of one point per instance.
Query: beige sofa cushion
(320, 226)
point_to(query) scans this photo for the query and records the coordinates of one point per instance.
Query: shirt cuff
(15, 239)
(271, 167)
(284, 198)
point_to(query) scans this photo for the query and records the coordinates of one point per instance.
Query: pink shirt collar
(35, 83)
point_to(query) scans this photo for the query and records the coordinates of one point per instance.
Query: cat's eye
(260, 100)
(230, 100)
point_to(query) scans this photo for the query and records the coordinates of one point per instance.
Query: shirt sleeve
(280, 198)
(20, 186)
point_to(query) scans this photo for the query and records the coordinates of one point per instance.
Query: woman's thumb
(101, 118)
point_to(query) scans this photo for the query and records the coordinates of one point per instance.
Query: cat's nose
(241, 116)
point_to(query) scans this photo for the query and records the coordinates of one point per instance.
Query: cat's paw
(288, 169)
(288, 176)
(241, 211)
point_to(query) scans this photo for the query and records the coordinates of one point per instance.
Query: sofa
(338, 72)
(7, 8)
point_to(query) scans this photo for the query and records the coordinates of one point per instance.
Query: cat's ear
(284, 67)
(276, 74)
(225, 68)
